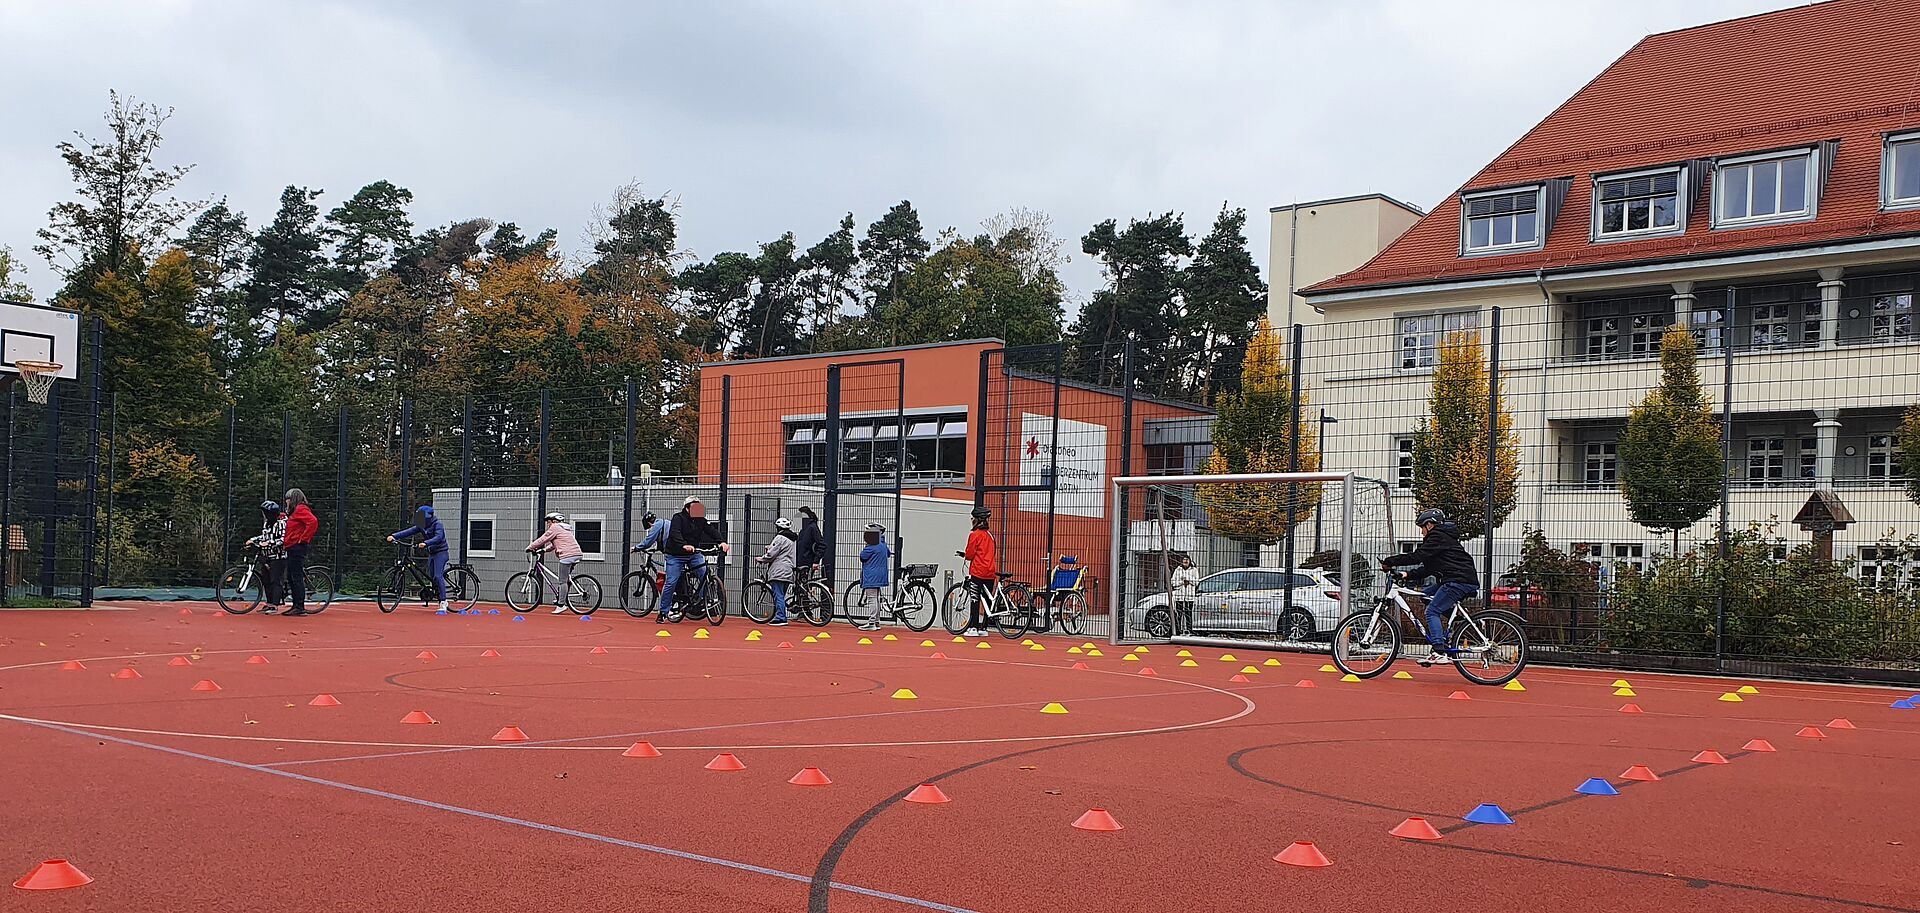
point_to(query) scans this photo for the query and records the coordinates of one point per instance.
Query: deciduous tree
(125, 200)
(1671, 468)
(1450, 457)
(1256, 431)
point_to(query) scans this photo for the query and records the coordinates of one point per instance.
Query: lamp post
(1320, 445)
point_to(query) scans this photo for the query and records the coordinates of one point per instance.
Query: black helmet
(1430, 515)
(648, 519)
(269, 507)
(981, 513)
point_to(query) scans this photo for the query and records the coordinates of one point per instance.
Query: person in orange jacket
(301, 526)
(983, 567)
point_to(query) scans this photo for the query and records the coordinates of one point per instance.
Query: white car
(1251, 600)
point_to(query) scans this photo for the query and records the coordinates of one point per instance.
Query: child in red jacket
(983, 568)
(301, 525)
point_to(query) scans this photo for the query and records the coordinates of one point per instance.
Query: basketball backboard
(30, 332)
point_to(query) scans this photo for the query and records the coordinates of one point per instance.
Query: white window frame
(601, 519)
(1403, 462)
(1439, 334)
(1809, 157)
(1884, 447)
(1888, 174)
(1773, 459)
(1881, 566)
(1888, 318)
(1467, 249)
(1679, 225)
(1600, 458)
(493, 535)
(1807, 459)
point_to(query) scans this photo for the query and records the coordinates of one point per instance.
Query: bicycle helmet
(876, 528)
(269, 507)
(782, 523)
(690, 501)
(555, 516)
(1430, 515)
(981, 513)
(648, 519)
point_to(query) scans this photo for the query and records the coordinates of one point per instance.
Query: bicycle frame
(550, 581)
(1396, 597)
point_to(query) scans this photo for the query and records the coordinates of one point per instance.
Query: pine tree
(220, 246)
(1223, 294)
(1450, 449)
(365, 230)
(827, 275)
(772, 322)
(893, 245)
(1140, 304)
(1255, 431)
(289, 269)
(1671, 466)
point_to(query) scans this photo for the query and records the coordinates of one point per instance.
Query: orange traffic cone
(641, 750)
(597, 651)
(126, 673)
(418, 716)
(1239, 679)
(256, 660)
(1459, 696)
(938, 655)
(73, 665)
(52, 875)
(1081, 666)
(725, 761)
(1630, 708)
(810, 776)
(1304, 854)
(1415, 828)
(1305, 683)
(657, 648)
(205, 684)
(1758, 745)
(490, 654)
(425, 654)
(927, 794)
(1096, 819)
(1709, 756)
(786, 645)
(179, 661)
(324, 700)
(510, 734)
(1811, 732)
(186, 611)
(1640, 772)
(1147, 670)
(1841, 723)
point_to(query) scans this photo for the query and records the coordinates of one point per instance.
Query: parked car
(1507, 595)
(1249, 600)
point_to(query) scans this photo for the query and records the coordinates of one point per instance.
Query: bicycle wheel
(463, 589)
(639, 593)
(816, 603)
(1072, 612)
(239, 590)
(1492, 648)
(1013, 618)
(758, 603)
(918, 606)
(713, 600)
(523, 592)
(956, 608)
(319, 589)
(583, 594)
(850, 600)
(1366, 642)
(389, 593)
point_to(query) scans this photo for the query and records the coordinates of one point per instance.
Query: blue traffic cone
(519, 618)
(440, 611)
(1596, 787)
(1489, 814)
(1904, 705)
(493, 611)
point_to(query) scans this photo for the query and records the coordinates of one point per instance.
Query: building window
(871, 449)
(1631, 554)
(1888, 567)
(1421, 335)
(1900, 172)
(1637, 204)
(1603, 463)
(1772, 326)
(1403, 463)
(1883, 457)
(1709, 327)
(480, 536)
(1603, 337)
(588, 532)
(1507, 220)
(1893, 317)
(1809, 457)
(1761, 189)
(1643, 335)
(1766, 458)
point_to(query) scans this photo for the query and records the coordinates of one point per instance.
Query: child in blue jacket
(434, 544)
(875, 560)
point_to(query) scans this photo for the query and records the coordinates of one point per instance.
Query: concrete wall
(1334, 236)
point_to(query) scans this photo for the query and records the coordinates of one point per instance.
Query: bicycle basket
(921, 571)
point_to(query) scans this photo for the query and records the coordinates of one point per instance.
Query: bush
(1328, 562)
(1568, 590)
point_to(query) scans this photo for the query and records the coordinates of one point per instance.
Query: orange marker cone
(810, 776)
(657, 648)
(1239, 679)
(510, 734)
(1758, 745)
(786, 645)
(1811, 732)
(1081, 666)
(1709, 757)
(52, 875)
(1640, 772)
(186, 611)
(1305, 683)
(725, 761)
(1415, 829)
(490, 654)
(1459, 696)
(205, 684)
(1096, 819)
(179, 661)
(73, 665)
(1303, 854)
(126, 673)
(1841, 723)
(1631, 708)
(418, 716)
(938, 655)
(425, 654)
(1147, 670)
(597, 651)
(256, 660)
(641, 750)
(927, 794)
(324, 700)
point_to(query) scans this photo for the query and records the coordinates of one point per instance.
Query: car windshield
(1222, 583)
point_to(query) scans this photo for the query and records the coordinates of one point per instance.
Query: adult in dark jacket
(687, 533)
(433, 541)
(811, 548)
(1455, 578)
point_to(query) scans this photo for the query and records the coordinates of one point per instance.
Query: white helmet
(782, 523)
(556, 516)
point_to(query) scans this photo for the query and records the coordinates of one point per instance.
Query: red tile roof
(1843, 69)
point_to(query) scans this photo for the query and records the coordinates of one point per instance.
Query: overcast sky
(777, 116)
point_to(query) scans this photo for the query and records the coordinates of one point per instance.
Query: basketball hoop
(39, 377)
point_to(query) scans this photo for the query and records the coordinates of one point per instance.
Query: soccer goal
(1257, 560)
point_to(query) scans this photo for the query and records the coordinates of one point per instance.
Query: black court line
(1575, 797)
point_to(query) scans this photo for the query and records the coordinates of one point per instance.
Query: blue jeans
(779, 599)
(1441, 598)
(437, 572)
(677, 568)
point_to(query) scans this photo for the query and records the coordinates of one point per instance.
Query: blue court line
(501, 819)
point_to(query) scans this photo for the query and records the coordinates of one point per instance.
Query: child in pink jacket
(559, 538)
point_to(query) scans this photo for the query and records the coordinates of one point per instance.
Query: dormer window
(1900, 172)
(1501, 221)
(1764, 189)
(1638, 204)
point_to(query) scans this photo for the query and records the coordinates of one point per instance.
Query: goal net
(1256, 559)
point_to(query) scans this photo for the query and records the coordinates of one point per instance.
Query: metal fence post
(406, 456)
(226, 513)
(89, 526)
(1297, 381)
(540, 496)
(113, 462)
(830, 495)
(978, 425)
(6, 505)
(746, 543)
(626, 491)
(726, 447)
(50, 496)
(1118, 560)
(899, 465)
(286, 449)
(340, 496)
(466, 472)
(1726, 480)
(1053, 457)
(1493, 453)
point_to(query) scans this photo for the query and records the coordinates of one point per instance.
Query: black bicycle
(243, 587)
(640, 588)
(807, 598)
(407, 580)
(701, 593)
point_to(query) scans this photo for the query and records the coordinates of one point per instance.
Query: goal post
(1277, 556)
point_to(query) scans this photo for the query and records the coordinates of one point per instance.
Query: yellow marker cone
(1088, 645)
(1188, 662)
(983, 645)
(825, 636)
(1748, 689)
(1249, 670)
(1403, 675)
(1349, 677)
(1130, 658)
(905, 694)
(889, 637)
(1227, 658)
(1027, 643)
(926, 643)
(1328, 668)
(1513, 686)
(1075, 651)
(809, 639)
(1141, 650)
(958, 639)
(1624, 692)
(663, 633)
(1053, 708)
(1622, 683)
(753, 635)
(1731, 698)
(1183, 654)
(1095, 653)
(865, 642)
(1038, 648)
(1271, 662)
(701, 634)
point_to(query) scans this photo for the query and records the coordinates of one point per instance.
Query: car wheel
(1159, 623)
(1296, 625)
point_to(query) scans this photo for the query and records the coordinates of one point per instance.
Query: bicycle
(640, 588)
(1009, 607)
(807, 597)
(1483, 641)
(250, 576)
(912, 603)
(405, 579)
(707, 596)
(583, 592)
(1064, 600)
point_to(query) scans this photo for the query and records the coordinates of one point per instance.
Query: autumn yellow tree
(1256, 431)
(1450, 449)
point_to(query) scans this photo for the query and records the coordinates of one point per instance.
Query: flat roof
(845, 353)
(1353, 198)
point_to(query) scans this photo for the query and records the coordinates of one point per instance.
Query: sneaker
(1437, 656)
(443, 605)
(868, 626)
(778, 623)
(675, 617)
(560, 610)
(270, 610)
(973, 632)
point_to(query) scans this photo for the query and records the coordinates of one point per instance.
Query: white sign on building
(1081, 456)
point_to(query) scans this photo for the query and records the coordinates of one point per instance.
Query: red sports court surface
(251, 798)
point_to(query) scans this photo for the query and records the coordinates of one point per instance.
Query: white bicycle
(538, 584)
(1490, 647)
